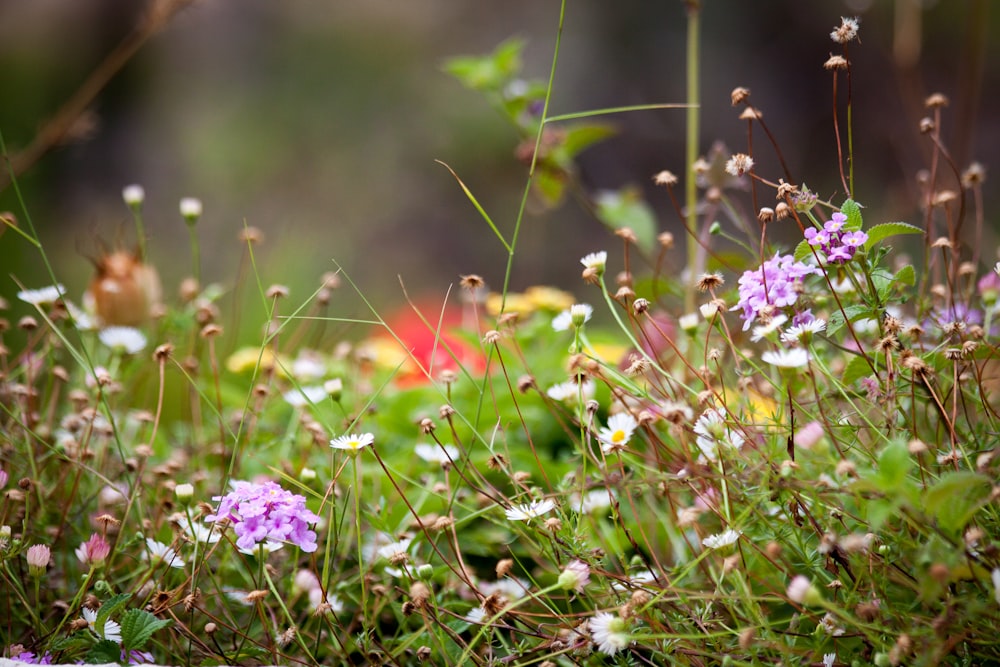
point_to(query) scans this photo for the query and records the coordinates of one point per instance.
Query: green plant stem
(691, 143)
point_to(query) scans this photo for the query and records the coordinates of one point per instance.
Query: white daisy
(443, 454)
(571, 391)
(262, 548)
(723, 539)
(531, 510)
(300, 397)
(110, 630)
(803, 333)
(160, 552)
(476, 615)
(592, 501)
(394, 550)
(199, 532)
(353, 442)
(609, 632)
(511, 588)
(123, 339)
(42, 295)
(829, 659)
(618, 432)
(794, 358)
(577, 314)
(308, 366)
(595, 260)
(133, 195)
(190, 208)
(765, 330)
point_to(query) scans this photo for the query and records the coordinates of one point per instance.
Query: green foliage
(627, 209)
(138, 626)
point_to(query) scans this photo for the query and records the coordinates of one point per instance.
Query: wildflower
(443, 454)
(353, 443)
(308, 366)
(133, 195)
(765, 330)
(199, 532)
(159, 552)
(712, 431)
(265, 511)
(688, 322)
(575, 576)
(190, 209)
(803, 333)
(394, 551)
(995, 576)
(300, 397)
(330, 604)
(775, 284)
(838, 246)
(575, 316)
(609, 632)
(123, 339)
(530, 511)
(595, 261)
(829, 659)
(738, 164)
(571, 391)
(592, 501)
(511, 588)
(723, 539)
(38, 559)
(618, 432)
(31, 658)
(476, 615)
(794, 358)
(810, 434)
(93, 551)
(108, 630)
(709, 310)
(184, 493)
(42, 295)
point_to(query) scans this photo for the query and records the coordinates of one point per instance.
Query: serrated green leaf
(956, 497)
(855, 369)
(138, 625)
(626, 208)
(894, 465)
(852, 210)
(883, 231)
(110, 606)
(836, 320)
(579, 137)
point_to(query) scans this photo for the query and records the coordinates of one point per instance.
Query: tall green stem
(691, 153)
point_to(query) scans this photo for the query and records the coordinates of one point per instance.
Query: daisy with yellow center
(618, 432)
(353, 443)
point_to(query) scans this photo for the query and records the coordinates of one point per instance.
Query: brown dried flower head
(739, 95)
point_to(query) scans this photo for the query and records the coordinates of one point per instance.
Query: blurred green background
(319, 123)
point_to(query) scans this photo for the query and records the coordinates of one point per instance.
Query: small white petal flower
(803, 333)
(394, 550)
(435, 453)
(709, 310)
(202, 533)
(794, 358)
(688, 322)
(42, 295)
(995, 576)
(575, 316)
(133, 195)
(712, 431)
(159, 552)
(476, 615)
(308, 366)
(300, 397)
(595, 260)
(262, 548)
(570, 391)
(531, 510)
(618, 432)
(609, 632)
(512, 588)
(723, 539)
(190, 208)
(829, 659)
(111, 630)
(765, 330)
(123, 339)
(354, 442)
(592, 501)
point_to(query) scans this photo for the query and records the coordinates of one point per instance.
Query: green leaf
(103, 652)
(855, 369)
(893, 466)
(581, 137)
(110, 606)
(837, 318)
(138, 625)
(852, 210)
(802, 251)
(626, 208)
(490, 72)
(956, 497)
(906, 275)
(887, 229)
(550, 185)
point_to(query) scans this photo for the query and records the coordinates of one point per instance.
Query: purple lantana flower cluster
(776, 283)
(836, 245)
(260, 512)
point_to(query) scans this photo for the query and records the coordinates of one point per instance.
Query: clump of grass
(811, 479)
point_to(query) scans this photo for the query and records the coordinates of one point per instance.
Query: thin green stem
(691, 142)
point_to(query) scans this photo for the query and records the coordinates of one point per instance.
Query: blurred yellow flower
(245, 360)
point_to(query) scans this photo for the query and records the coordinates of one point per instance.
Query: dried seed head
(472, 282)
(701, 166)
(847, 30)
(941, 242)
(251, 235)
(496, 462)
(665, 178)
(785, 190)
(504, 566)
(640, 306)
(782, 210)
(163, 352)
(666, 240)
(624, 293)
(936, 101)
(524, 383)
(276, 292)
(710, 281)
(211, 331)
(491, 337)
(926, 125)
(739, 164)
(835, 62)
(751, 113)
(973, 175)
(739, 95)
(627, 234)
(916, 365)
(765, 214)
